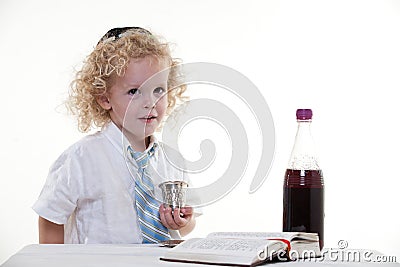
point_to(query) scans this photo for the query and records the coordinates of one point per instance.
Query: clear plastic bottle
(303, 189)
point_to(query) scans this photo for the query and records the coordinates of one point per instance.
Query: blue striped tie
(146, 205)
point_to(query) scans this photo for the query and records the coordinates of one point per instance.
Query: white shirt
(90, 189)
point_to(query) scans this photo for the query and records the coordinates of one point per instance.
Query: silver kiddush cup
(174, 193)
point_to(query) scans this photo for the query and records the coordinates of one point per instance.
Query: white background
(341, 58)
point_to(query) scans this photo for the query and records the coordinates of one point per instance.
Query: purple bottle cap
(304, 114)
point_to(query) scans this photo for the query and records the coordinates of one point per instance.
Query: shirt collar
(115, 136)
(153, 143)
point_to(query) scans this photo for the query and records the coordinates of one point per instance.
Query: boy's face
(138, 107)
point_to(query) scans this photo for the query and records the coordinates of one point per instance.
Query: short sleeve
(58, 198)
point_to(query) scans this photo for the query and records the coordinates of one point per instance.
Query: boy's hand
(176, 219)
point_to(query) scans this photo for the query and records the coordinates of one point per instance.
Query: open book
(245, 248)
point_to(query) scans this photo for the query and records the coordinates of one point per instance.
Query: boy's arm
(50, 233)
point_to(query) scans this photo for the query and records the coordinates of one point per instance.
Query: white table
(124, 255)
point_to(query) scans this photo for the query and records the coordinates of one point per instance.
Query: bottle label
(304, 162)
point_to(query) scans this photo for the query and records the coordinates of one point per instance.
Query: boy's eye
(133, 91)
(159, 90)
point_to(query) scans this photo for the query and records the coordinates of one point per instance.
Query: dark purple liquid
(303, 202)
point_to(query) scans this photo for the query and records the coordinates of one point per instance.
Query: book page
(251, 235)
(226, 246)
(265, 235)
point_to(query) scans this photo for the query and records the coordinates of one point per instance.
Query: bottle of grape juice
(303, 189)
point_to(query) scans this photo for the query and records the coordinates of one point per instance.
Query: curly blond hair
(111, 58)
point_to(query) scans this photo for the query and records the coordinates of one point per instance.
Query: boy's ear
(104, 102)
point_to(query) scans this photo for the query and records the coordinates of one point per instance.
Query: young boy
(98, 191)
